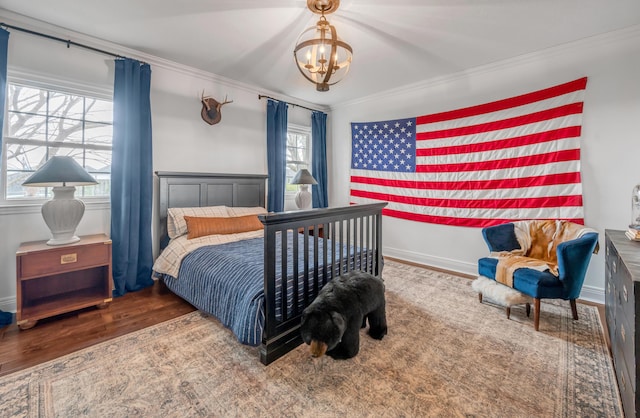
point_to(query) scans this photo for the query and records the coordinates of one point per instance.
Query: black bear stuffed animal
(331, 323)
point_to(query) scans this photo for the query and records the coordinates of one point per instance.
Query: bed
(258, 282)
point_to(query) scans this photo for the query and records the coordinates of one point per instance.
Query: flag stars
(385, 145)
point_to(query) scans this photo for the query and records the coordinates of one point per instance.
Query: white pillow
(243, 211)
(177, 226)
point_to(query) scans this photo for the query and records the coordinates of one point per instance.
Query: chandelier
(320, 55)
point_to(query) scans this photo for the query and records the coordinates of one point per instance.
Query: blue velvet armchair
(573, 260)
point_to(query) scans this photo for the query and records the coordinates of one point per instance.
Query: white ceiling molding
(611, 38)
(154, 61)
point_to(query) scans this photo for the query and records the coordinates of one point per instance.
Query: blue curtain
(4, 48)
(131, 177)
(276, 153)
(319, 196)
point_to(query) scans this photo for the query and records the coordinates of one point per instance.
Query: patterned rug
(446, 355)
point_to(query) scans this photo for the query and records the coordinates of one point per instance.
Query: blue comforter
(227, 281)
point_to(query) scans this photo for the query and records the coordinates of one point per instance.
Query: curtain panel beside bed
(131, 177)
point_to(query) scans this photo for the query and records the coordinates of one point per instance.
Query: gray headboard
(181, 190)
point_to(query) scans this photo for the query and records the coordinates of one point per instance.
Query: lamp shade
(60, 171)
(303, 177)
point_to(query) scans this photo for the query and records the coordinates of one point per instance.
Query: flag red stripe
(503, 104)
(532, 181)
(510, 203)
(540, 137)
(538, 159)
(556, 112)
(446, 220)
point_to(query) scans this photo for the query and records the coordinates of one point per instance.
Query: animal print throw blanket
(538, 243)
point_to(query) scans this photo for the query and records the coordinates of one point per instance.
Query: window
(298, 153)
(41, 123)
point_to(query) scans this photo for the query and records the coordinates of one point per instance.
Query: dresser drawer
(627, 392)
(34, 264)
(626, 297)
(625, 337)
(610, 306)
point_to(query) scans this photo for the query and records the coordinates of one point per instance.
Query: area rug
(446, 355)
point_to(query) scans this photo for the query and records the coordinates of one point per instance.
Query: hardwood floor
(64, 334)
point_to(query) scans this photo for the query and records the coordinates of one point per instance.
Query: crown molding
(609, 38)
(60, 32)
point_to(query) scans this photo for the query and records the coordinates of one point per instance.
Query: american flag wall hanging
(512, 159)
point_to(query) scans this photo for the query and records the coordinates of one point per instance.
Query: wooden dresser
(622, 311)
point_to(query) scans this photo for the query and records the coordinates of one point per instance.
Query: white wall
(610, 144)
(182, 141)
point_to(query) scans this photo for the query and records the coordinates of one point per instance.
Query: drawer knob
(69, 258)
(624, 293)
(614, 266)
(622, 333)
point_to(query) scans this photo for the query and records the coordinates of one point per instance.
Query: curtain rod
(260, 96)
(66, 41)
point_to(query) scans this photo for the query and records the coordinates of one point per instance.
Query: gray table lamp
(303, 197)
(63, 212)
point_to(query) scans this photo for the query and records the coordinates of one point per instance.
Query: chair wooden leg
(528, 308)
(574, 309)
(480, 297)
(508, 312)
(536, 313)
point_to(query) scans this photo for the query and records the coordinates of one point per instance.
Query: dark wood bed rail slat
(345, 228)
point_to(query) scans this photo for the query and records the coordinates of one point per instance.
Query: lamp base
(63, 241)
(62, 214)
(303, 197)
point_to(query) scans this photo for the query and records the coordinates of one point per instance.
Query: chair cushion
(537, 284)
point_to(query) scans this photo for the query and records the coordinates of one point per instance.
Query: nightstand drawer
(69, 258)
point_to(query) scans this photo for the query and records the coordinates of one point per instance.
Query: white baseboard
(8, 304)
(437, 262)
(589, 293)
(592, 294)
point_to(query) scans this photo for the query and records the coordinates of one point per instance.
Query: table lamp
(63, 212)
(303, 197)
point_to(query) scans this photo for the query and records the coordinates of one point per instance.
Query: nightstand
(57, 279)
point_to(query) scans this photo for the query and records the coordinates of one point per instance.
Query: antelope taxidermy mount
(211, 108)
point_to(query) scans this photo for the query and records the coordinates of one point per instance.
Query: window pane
(99, 110)
(76, 153)
(41, 124)
(24, 158)
(97, 161)
(98, 133)
(103, 188)
(302, 141)
(27, 126)
(65, 130)
(15, 189)
(26, 99)
(66, 105)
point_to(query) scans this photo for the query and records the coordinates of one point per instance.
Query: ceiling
(395, 43)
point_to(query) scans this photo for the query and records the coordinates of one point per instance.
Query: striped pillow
(200, 227)
(177, 226)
